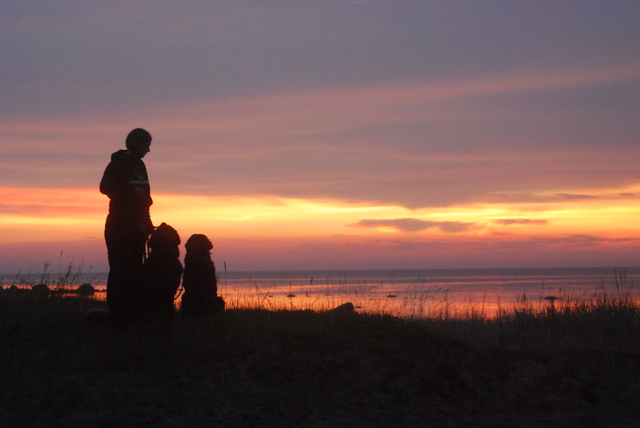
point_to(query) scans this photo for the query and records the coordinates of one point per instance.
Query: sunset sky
(328, 134)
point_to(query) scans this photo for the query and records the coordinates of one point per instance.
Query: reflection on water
(423, 292)
(413, 292)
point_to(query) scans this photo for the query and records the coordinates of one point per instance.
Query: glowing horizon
(245, 225)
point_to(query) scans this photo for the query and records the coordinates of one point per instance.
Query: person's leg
(125, 266)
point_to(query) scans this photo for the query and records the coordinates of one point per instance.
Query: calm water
(411, 292)
(424, 292)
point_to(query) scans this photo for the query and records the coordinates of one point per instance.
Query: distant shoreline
(360, 270)
(404, 293)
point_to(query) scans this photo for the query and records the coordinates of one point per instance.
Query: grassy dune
(557, 364)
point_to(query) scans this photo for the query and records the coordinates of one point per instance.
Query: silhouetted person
(128, 224)
(199, 280)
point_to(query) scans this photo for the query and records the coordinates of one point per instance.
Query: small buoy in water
(392, 296)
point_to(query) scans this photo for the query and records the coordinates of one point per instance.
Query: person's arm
(112, 183)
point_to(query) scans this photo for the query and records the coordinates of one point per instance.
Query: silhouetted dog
(200, 283)
(161, 274)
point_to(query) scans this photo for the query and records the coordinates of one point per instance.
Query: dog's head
(164, 237)
(198, 243)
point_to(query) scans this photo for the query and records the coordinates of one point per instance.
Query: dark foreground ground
(256, 368)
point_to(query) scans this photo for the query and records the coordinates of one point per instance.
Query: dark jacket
(126, 183)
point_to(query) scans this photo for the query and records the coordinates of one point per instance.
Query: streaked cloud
(38, 205)
(581, 240)
(512, 221)
(281, 233)
(373, 144)
(571, 197)
(412, 225)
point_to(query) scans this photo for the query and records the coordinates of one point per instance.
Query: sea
(409, 293)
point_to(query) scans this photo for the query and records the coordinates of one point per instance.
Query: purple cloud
(573, 197)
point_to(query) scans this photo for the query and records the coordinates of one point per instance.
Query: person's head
(138, 142)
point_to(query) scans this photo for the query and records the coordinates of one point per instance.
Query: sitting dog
(200, 283)
(161, 274)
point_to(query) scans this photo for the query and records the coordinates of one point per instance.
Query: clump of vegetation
(47, 283)
(65, 278)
